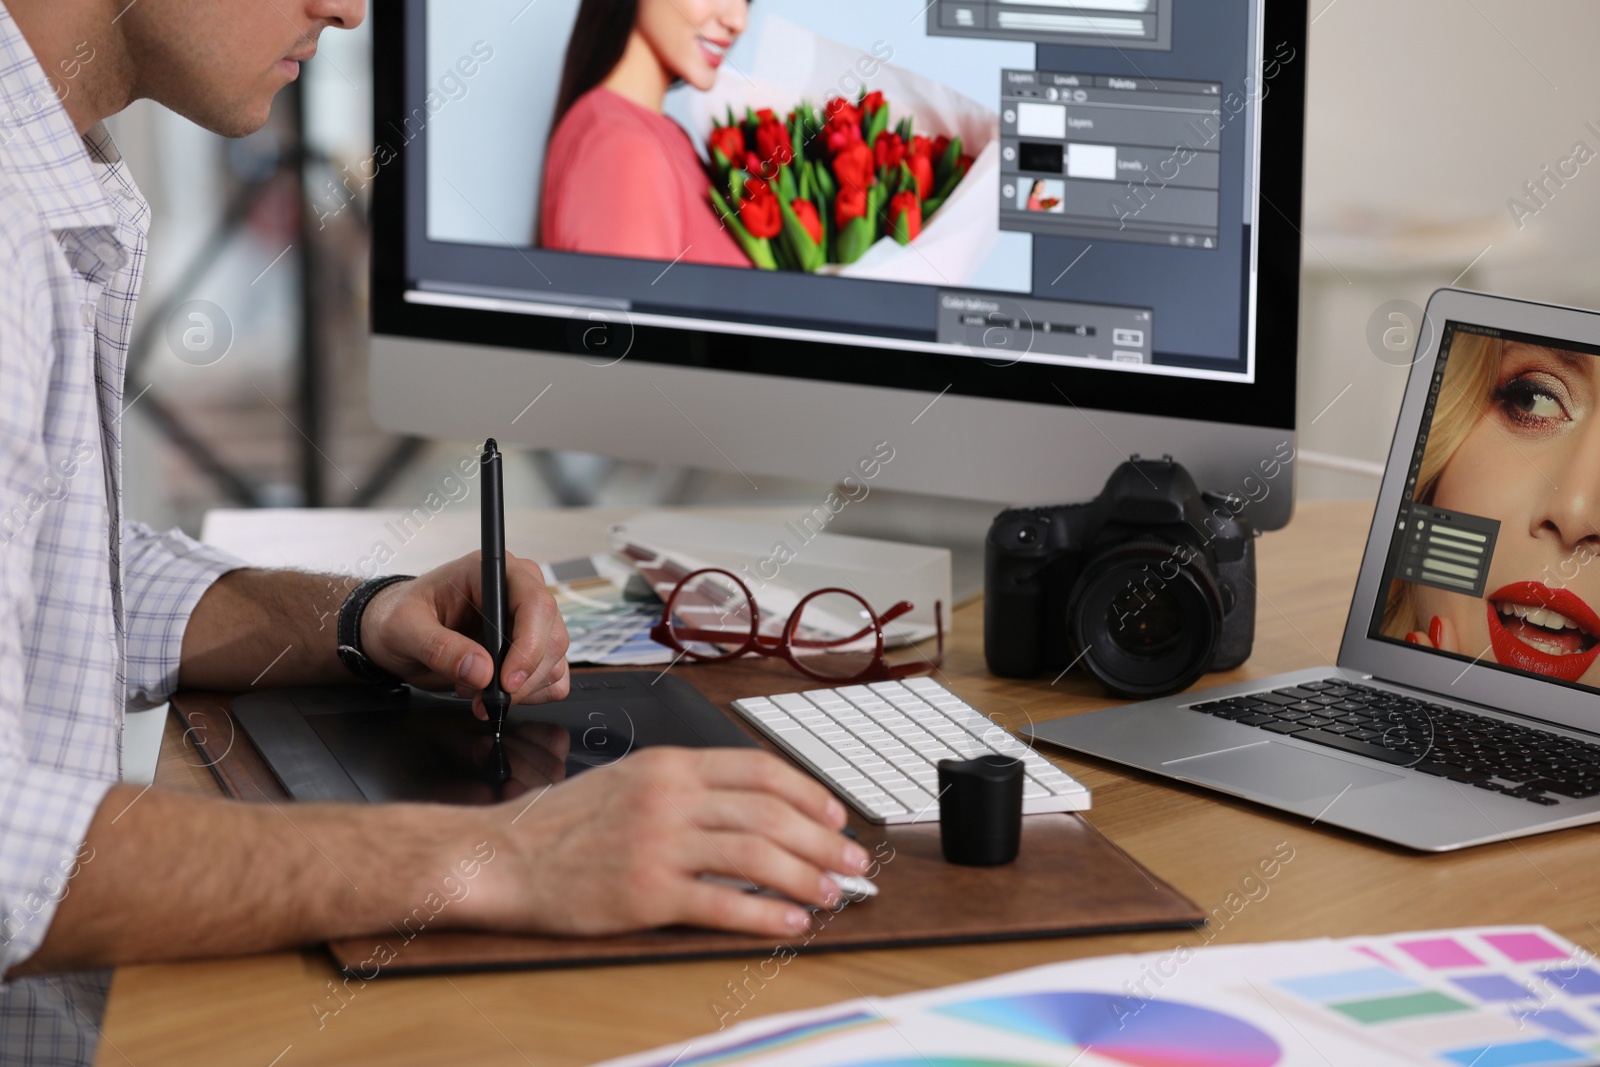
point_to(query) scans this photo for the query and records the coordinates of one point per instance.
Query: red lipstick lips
(1510, 643)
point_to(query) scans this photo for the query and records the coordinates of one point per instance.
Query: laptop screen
(1493, 560)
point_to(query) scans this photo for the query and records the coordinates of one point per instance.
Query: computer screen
(1493, 558)
(1074, 204)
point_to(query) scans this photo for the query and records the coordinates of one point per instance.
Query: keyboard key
(1283, 727)
(1359, 748)
(1256, 720)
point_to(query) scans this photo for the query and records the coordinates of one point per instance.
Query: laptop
(1465, 704)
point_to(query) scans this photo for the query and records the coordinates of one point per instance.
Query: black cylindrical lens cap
(980, 810)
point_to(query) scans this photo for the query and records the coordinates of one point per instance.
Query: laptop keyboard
(1493, 754)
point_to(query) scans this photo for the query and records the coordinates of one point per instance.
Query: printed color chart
(1517, 997)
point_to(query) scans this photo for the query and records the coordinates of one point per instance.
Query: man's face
(219, 63)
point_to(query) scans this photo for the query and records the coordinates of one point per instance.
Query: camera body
(1148, 586)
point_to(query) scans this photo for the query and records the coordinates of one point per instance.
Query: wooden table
(259, 1010)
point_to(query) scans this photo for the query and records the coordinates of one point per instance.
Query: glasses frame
(783, 645)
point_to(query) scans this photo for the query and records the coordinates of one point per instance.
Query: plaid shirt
(92, 610)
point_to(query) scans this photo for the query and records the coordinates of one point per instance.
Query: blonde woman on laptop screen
(1515, 438)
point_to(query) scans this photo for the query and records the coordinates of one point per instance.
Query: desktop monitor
(1005, 242)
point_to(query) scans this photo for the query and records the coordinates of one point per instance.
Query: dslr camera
(1148, 586)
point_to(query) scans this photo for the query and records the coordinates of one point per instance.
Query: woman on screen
(620, 177)
(1516, 437)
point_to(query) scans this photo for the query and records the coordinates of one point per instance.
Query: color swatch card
(1492, 997)
(1488, 997)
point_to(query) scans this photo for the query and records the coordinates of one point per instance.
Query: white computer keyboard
(878, 746)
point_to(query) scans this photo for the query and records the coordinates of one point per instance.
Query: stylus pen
(496, 635)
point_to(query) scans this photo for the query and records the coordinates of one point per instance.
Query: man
(92, 613)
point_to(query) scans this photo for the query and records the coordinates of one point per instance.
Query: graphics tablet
(361, 744)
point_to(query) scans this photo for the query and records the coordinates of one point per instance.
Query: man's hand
(418, 630)
(622, 847)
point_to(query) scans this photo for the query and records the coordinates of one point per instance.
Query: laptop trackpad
(1277, 771)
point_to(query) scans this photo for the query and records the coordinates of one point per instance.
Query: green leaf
(807, 252)
(905, 179)
(759, 249)
(826, 182)
(942, 191)
(783, 256)
(830, 236)
(877, 197)
(876, 124)
(904, 130)
(854, 240)
(901, 229)
(786, 187)
(808, 183)
(947, 162)
(736, 179)
(929, 206)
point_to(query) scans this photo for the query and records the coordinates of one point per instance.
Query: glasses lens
(710, 616)
(836, 637)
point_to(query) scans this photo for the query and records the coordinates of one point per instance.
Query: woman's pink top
(621, 180)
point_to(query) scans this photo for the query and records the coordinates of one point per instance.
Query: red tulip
(840, 111)
(766, 115)
(941, 144)
(853, 167)
(806, 212)
(920, 146)
(888, 150)
(729, 140)
(851, 204)
(908, 205)
(838, 137)
(871, 102)
(922, 170)
(963, 164)
(773, 144)
(759, 210)
(754, 166)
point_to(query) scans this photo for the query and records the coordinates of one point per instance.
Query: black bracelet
(351, 653)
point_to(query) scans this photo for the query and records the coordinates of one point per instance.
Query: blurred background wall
(1427, 118)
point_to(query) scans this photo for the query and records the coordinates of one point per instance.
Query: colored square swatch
(1493, 987)
(1345, 984)
(1554, 1019)
(1385, 1009)
(1574, 981)
(1437, 952)
(1526, 948)
(1522, 1054)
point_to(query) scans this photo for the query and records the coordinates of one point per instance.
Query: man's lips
(1564, 653)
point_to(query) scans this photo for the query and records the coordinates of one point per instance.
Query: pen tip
(489, 445)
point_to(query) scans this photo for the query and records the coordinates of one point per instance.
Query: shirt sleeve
(44, 813)
(164, 575)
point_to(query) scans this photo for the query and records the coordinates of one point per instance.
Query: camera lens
(1145, 619)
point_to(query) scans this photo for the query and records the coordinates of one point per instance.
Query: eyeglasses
(832, 635)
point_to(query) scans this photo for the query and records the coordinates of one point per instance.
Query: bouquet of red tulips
(824, 186)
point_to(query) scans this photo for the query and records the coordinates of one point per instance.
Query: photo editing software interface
(1492, 558)
(1040, 180)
